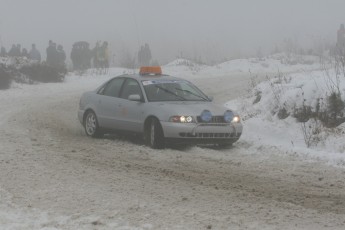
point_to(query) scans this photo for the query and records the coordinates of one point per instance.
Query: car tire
(154, 135)
(91, 126)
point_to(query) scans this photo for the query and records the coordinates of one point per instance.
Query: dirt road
(54, 177)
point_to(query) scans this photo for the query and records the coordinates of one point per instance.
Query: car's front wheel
(154, 135)
(92, 128)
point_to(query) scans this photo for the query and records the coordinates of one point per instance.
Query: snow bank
(263, 127)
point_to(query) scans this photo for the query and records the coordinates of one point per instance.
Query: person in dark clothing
(147, 54)
(25, 53)
(77, 55)
(3, 52)
(144, 55)
(141, 56)
(87, 56)
(103, 55)
(95, 53)
(52, 54)
(61, 56)
(55, 55)
(34, 54)
(341, 39)
(74, 55)
(12, 52)
(48, 52)
(81, 55)
(341, 35)
(18, 51)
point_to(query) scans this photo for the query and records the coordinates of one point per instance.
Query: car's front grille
(215, 119)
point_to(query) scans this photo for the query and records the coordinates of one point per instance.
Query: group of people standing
(82, 55)
(17, 51)
(56, 55)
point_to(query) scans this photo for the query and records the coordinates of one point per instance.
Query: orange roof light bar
(156, 70)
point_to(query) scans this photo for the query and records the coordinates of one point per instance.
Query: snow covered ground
(54, 177)
(291, 91)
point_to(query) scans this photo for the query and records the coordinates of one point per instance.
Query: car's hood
(189, 108)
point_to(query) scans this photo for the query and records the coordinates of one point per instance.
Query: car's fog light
(228, 116)
(206, 116)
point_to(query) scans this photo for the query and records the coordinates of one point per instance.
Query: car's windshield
(172, 90)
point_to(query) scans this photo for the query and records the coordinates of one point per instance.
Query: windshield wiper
(190, 92)
(171, 92)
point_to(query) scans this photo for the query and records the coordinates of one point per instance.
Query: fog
(210, 30)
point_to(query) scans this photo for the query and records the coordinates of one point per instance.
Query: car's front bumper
(202, 132)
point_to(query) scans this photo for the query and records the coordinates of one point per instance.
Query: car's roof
(150, 77)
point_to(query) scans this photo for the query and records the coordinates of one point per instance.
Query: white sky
(211, 29)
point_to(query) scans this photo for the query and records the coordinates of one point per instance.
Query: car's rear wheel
(92, 128)
(154, 135)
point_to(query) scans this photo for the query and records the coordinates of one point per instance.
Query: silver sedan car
(161, 108)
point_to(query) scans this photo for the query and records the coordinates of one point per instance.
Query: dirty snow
(54, 177)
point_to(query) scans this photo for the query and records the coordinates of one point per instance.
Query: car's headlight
(206, 116)
(236, 119)
(228, 116)
(182, 119)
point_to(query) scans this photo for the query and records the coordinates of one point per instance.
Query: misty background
(212, 31)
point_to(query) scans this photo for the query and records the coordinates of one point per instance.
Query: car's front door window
(113, 88)
(131, 87)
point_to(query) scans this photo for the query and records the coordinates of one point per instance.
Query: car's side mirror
(134, 97)
(210, 98)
